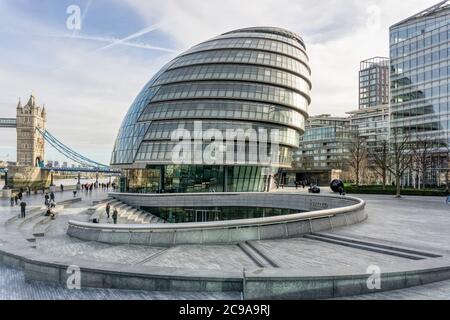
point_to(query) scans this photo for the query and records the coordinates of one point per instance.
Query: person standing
(114, 216)
(47, 199)
(12, 200)
(16, 200)
(52, 196)
(23, 207)
(108, 210)
(20, 195)
(62, 187)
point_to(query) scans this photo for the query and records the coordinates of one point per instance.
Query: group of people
(300, 183)
(17, 200)
(50, 200)
(114, 215)
(96, 185)
(88, 186)
(107, 186)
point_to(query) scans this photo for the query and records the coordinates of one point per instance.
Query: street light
(6, 179)
(79, 181)
(51, 178)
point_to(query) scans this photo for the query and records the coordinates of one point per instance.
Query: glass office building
(324, 148)
(373, 82)
(253, 79)
(420, 86)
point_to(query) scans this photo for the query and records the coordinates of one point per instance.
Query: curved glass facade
(254, 80)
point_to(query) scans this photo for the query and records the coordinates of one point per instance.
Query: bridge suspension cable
(69, 153)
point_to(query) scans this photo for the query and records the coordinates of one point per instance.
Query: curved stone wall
(324, 213)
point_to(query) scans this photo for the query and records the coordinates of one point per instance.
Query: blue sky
(87, 90)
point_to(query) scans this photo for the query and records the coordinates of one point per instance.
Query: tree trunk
(399, 189)
(384, 180)
(357, 176)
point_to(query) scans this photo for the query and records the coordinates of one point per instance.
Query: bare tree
(400, 157)
(422, 153)
(381, 160)
(357, 155)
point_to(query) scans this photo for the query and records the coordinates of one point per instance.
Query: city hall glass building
(253, 78)
(420, 86)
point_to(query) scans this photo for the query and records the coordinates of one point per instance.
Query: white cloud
(87, 94)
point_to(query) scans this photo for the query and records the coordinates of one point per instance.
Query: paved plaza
(14, 287)
(416, 223)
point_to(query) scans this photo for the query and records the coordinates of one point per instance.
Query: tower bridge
(30, 125)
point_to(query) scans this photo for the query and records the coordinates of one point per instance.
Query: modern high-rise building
(373, 82)
(372, 124)
(248, 80)
(420, 86)
(324, 147)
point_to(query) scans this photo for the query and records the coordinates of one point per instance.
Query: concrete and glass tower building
(373, 82)
(248, 79)
(420, 86)
(324, 147)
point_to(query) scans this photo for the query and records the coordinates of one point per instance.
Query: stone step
(379, 245)
(253, 255)
(31, 213)
(364, 247)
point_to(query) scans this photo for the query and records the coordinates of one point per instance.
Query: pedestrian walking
(75, 193)
(12, 200)
(108, 210)
(23, 207)
(16, 200)
(114, 216)
(62, 187)
(52, 196)
(47, 199)
(20, 195)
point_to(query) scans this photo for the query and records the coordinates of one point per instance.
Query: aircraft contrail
(115, 41)
(132, 36)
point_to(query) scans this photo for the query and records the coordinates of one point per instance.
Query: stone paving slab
(309, 254)
(434, 291)
(204, 257)
(14, 287)
(413, 222)
(421, 223)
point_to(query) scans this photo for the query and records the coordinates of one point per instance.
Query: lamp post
(79, 181)
(51, 178)
(6, 179)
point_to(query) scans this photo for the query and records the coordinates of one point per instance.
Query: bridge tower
(30, 143)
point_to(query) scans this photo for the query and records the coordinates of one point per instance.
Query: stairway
(126, 214)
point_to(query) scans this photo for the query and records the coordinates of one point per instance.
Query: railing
(8, 123)
(338, 211)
